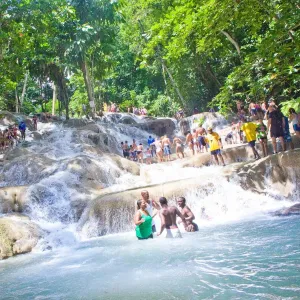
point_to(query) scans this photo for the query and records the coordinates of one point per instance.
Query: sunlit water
(246, 260)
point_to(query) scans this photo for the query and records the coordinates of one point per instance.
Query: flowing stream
(240, 252)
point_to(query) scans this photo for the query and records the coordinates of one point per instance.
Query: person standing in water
(166, 144)
(143, 221)
(187, 214)
(249, 129)
(215, 145)
(179, 147)
(262, 136)
(189, 141)
(169, 228)
(151, 204)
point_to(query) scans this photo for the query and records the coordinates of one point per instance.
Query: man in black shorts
(276, 124)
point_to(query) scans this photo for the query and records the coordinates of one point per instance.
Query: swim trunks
(171, 233)
(167, 150)
(201, 140)
(215, 152)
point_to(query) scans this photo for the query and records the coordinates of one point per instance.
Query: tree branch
(232, 41)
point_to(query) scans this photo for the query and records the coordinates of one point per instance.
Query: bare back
(168, 216)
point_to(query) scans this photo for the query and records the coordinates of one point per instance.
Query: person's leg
(265, 147)
(274, 145)
(282, 143)
(216, 158)
(222, 159)
(292, 145)
(256, 155)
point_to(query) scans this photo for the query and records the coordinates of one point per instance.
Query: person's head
(126, 142)
(203, 209)
(209, 129)
(272, 107)
(145, 195)
(188, 132)
(292, 110)
(150, 137)
(141, 144)
(181, 202)
(122, 143)
(141, 204)
(163, 201)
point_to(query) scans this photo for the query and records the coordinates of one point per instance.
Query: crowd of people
(248, 129)
(170, 216)
(11, 136)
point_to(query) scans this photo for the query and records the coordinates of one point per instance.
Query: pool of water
(254, 259)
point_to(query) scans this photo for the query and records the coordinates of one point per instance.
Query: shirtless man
(189, 141)
(179, 147)
(134, 145)
(168, 215)
(195, 140)
(188, 215)
(151, 204)
(166, 146)
(139, 152)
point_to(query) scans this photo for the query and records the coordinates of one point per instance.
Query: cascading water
(240, 252)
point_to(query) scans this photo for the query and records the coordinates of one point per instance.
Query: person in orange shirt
(249, 129)
(215, 145)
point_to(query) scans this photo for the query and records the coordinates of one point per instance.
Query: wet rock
(159, 127)
(17, 235)
(12, 199)
(293, 210)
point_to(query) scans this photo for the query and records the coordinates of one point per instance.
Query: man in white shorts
(169, 228)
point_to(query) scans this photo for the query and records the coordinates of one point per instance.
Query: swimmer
(169, 228)
(187, 214)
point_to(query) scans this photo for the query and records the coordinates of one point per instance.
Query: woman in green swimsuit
(143, 221)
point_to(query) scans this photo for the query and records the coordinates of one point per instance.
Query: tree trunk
(87, 81)
(54, 98)
(173, 82)
(213, 76)
(24, 89)
(17, 101)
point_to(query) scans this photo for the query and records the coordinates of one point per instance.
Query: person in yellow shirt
(249, 129)
(215, 145)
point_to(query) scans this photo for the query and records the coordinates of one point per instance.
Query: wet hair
(122, 143)
(138, 204)
(163, 201)
(292, 110)
(182, 199)
(126, 142)
(149, 136)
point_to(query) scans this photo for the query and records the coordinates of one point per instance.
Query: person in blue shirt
(151, 140)
(287, 135)
(22, 128)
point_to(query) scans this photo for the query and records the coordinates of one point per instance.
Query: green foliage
(144, 53)
(286, 105)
